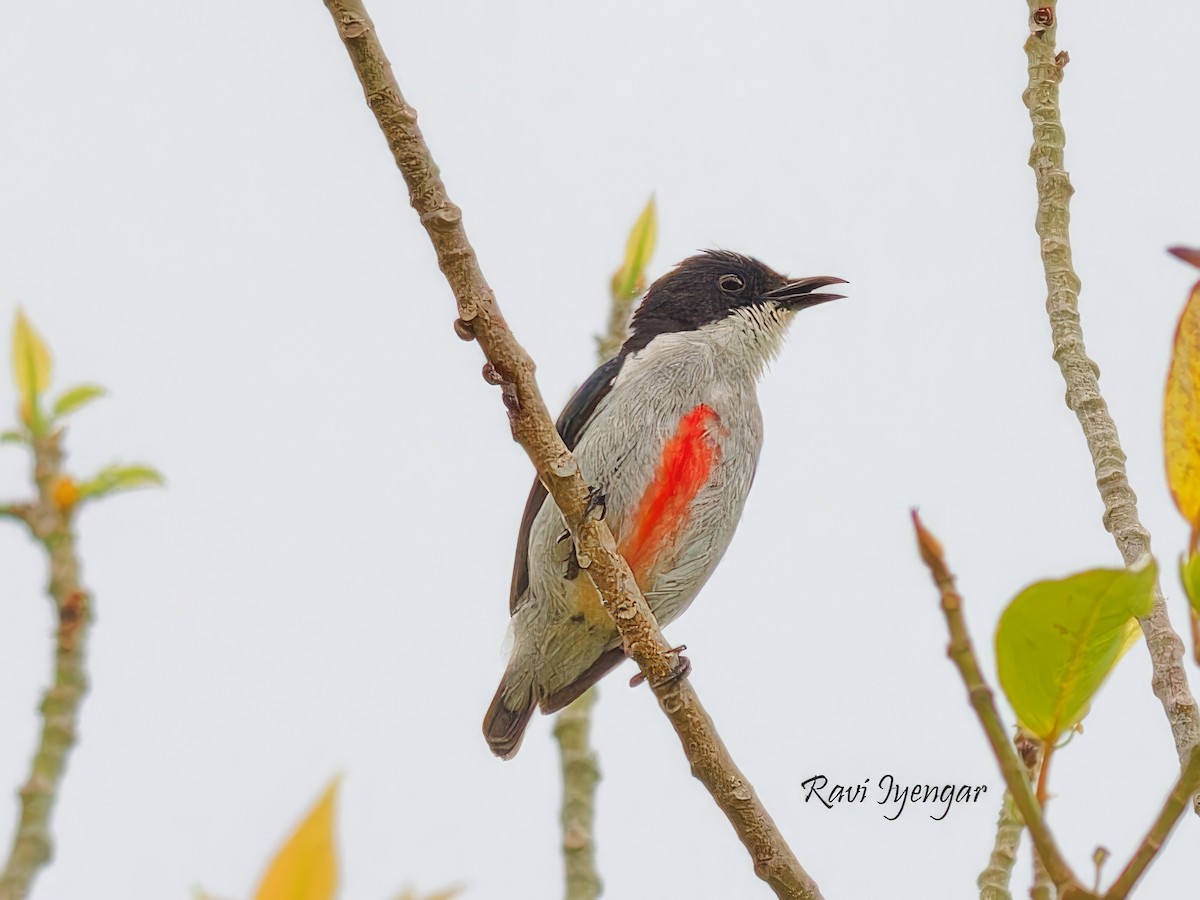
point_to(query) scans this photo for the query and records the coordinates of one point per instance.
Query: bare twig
(581, 774)
(53, 526)
(1081, 374)
(962, 653)
(19, 511)
(510, 366)
(1176, 803)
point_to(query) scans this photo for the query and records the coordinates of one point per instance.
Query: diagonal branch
(962, 653)
(511, 367)
(1177, 801)
(53, 526)
(1081, 374)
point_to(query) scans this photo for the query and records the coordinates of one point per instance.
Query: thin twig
(1176, 803)
(511, 367)
(1035, 755)
(19, 511)
(1081, 374)
(962, 653)
(53, 526)
(581, 774)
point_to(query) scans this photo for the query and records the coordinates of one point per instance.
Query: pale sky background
(197, 210)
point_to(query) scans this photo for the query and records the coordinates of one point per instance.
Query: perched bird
(669, 433)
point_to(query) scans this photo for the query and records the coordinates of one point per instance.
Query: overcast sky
(197, 211)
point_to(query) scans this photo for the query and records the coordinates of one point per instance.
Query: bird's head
(735, 301)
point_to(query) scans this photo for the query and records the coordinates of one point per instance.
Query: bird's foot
(595, 509)
(683, 666)
(597, 504)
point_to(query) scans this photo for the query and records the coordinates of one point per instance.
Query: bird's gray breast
(677, 379)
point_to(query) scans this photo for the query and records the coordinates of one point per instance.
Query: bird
(667, 433)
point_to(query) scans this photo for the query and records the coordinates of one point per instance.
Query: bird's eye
(732, 284)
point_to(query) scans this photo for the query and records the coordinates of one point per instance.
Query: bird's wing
(572, 422)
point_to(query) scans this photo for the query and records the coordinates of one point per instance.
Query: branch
(510, 366)
(581, 773)
(962, 653)
(1081, 374)
(19, 511)
(52, 525)
(994, 880)
(580, 769)
(1177, 801)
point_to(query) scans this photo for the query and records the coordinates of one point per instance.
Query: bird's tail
(507, 717)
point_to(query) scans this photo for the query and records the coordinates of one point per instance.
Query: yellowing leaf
(31, 368)
(306, 868)
(1058, 640)
(1181, 411)
(73, 398)
(630, 279)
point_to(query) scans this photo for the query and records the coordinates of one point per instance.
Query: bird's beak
(799, 294)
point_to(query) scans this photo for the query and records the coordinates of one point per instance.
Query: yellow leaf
(630, 280)
(31, 366)
(1181, 415)
(306, 867)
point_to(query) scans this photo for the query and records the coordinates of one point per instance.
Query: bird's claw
(597, 504)
(682, 668)
(595, 509)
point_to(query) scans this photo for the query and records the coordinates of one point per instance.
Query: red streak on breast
(683, 469)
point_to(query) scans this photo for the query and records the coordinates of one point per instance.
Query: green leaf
(115, 478)
(630, 279)
(12, 436)
(32, 365)
(1189, 574)
(74, 398)
(1058, 640)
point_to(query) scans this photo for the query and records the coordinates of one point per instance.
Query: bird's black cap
(712, 285)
